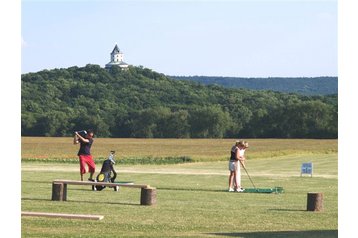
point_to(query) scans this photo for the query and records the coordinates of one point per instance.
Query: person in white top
(237, 157)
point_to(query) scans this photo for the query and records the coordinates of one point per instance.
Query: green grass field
(192, 198)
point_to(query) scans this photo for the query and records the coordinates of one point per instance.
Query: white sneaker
(231, 190)
(240, 190)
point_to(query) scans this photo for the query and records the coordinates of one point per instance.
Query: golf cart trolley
(106, 173)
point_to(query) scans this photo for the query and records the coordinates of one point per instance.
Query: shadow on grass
(282, 234)
(36, 199)
(209, 190)
(158, 188)
(34, 181)
(193, 189)
(112, 203)
(287, 210)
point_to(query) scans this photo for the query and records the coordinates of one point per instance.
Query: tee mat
(264, 190)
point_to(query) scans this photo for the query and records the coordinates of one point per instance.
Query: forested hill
(303, 85)
(139, 102)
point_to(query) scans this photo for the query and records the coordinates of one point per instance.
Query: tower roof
(115, 50)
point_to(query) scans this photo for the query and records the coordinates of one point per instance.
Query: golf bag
(104, 177)
(106, 173)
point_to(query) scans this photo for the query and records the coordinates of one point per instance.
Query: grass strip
(125, 160)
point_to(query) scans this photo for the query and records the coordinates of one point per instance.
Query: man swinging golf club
(236, 158)
(85, 139)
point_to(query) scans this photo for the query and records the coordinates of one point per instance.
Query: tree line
(142, 103)
(303, 85)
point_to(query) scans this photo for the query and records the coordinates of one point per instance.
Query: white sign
(307, 168)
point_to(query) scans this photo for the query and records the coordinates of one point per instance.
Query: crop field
(192, 198)
(199, 149)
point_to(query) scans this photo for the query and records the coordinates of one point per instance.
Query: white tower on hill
(117, 59)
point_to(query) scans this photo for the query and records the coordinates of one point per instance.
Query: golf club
(248, 175)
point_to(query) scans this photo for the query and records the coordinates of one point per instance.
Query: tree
(209, 122)
(140, 102)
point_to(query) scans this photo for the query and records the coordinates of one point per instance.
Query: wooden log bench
(59, 190)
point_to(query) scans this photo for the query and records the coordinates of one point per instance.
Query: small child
(106, 171)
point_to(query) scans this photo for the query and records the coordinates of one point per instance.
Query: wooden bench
(59, 190)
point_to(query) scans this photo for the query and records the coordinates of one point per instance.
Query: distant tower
(117, 59)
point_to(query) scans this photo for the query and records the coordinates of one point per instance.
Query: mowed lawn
(192, 199)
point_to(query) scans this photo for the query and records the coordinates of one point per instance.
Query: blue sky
(214, 38)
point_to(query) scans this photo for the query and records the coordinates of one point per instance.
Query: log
(148, 196)
(59, 191)
(315, 202)
(63, 215)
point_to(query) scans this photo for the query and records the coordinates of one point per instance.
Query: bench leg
(148, 196)
(59, 192)
(315, 202)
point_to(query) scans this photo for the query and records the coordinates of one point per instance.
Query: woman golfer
(236, 158)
